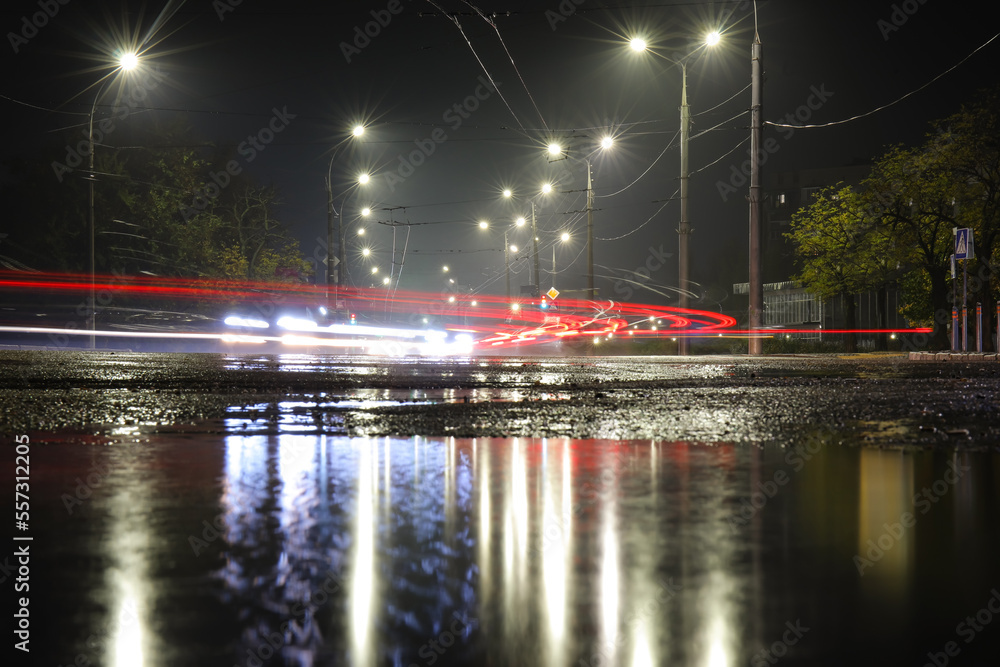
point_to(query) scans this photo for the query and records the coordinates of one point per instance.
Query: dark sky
(564, 71)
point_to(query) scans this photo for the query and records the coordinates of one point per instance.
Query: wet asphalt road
(223, 510)
(885, 401)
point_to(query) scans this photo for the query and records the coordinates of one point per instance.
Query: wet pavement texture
(881, 400)
(300, 510)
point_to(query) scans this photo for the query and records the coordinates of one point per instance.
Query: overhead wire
(482, 65)
(513, 64)
(894, 102)
(643, 174)
(702, 113)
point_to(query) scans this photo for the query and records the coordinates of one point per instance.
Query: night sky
(564, 72)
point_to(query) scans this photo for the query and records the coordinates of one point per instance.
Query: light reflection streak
(556, 564)
(609, 576)
(363, 568)
(128, 637)
(481, 464)
(887, 487)
(413, 512)
(642, 653)
(128, 577)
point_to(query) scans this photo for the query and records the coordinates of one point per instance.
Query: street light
(521, 221)
(333, 268)
(564, 237)
(684, 229)
(127, 62)
(507, 247)
(606, 143)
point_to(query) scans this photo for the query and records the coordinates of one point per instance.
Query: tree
(968, 143)
(158, 210)
(914, 194)
(832, 238)
(262, 242)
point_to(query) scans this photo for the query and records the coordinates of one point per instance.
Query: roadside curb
(955, 357)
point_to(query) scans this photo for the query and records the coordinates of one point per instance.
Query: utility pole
(534, 241)
(92, 305)
(331, 268)
(590, 234)
(756, 346)
(684, 232)
(506, 260)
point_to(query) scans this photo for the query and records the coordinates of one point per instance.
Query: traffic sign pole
(979, 327)
(965, 305)
(954, 328)
(954, 307)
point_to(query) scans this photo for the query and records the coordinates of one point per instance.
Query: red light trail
(493, 322)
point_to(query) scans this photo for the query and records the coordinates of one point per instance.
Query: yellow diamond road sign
(552, 293)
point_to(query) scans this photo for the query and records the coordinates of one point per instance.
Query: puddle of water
(295, 549)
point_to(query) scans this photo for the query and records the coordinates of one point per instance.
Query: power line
(893, 103)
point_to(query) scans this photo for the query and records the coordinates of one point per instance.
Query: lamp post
(536, 277)
(507, 248)
(564, 237)
(684, 228)
(126, 63)
(556, 149)
(333, 269)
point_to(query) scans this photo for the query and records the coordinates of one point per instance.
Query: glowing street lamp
(546, 188)
(564, 237)
(606, 143)
(333, 264)
(127, 62)
(684, 229)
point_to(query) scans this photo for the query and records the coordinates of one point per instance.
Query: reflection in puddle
(304, 550)
(548, 548)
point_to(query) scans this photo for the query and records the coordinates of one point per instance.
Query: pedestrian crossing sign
(963, 244)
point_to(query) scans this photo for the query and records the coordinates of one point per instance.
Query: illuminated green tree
(837, 245)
